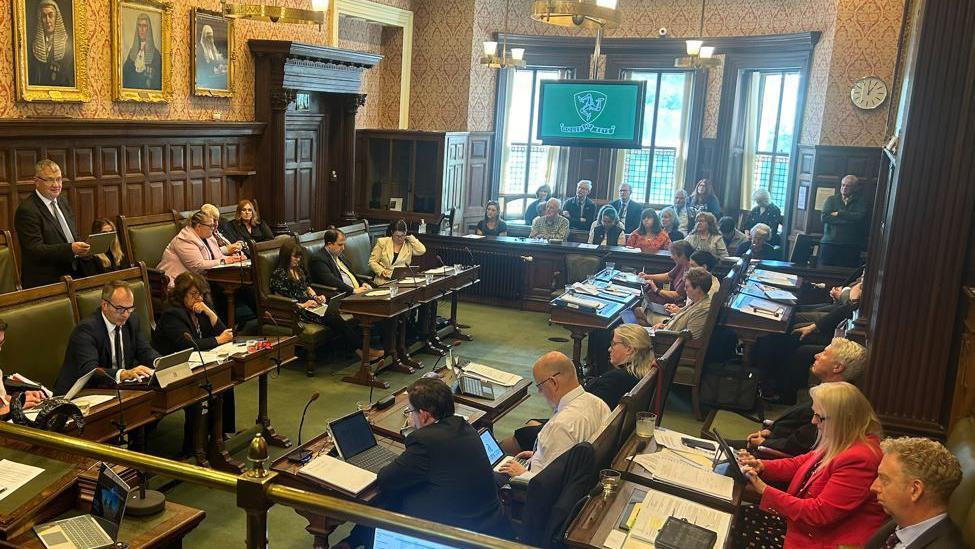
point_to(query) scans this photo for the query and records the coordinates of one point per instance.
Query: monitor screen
(111, 495)
(591, 113)
(494, 452)
(352, 434)
(387, 539)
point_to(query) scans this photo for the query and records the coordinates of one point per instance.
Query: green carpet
(504, 338)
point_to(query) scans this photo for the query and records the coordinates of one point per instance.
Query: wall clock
(868, 93)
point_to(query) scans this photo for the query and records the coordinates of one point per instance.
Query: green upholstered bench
(39, 324)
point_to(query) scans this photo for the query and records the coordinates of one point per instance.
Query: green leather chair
(264, 257)
(961, 507)
(144, 239)
(39, 324)
(358, 247)
(87, 295)
(577, 268)
(9, 271)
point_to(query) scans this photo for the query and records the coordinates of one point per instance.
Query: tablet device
(733, 466)
(100, 242)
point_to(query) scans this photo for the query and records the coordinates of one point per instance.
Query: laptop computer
(387, 539)
(357, 445)
(733, 466)
(494, 452)
(97, 529)
(175, 359)
(469, 385)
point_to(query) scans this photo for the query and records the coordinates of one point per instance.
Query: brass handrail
(257, 509)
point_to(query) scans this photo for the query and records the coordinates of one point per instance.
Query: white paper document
(209, 357)
(672, 440)
(773, 277)
(13, 475)
(615, 539)
(319, 311)
(439, 270)
(581, 301)
(336, 472)
(474, 236)
(658, 506)
(245, 264)
(492, 374)
(669, 468)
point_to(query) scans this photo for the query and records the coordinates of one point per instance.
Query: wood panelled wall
(822, 167)
(128, 167)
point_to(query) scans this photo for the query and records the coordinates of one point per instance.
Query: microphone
(440, 259)
(640, 446)
(471, 255)
(300, 455)
(120, 422)
(206, 385)
(277, 359)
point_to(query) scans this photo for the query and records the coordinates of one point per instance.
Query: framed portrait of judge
(50, 50)
(141, 50)
(213, 51)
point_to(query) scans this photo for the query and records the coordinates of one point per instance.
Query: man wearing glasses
(576, 415)
(49, 241)
(110, 339)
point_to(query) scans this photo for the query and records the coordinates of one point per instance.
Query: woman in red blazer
(828, 502)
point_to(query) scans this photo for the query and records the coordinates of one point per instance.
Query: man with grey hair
(914, 482)
(845, 221)
(550, 225)
(680, 208)
(758, 244)
(579, 210)
(629, 210)
(50, 244)
(764, 212)
(793, 432)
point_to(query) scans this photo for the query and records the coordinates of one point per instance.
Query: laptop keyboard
(373, 459)
(85, 533)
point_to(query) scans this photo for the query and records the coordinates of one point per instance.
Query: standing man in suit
(629, 210)
(46, 229)
(444, 473)
(109, 339)
(579, 209)
(844, 226)
(327, 267)
(914, 481)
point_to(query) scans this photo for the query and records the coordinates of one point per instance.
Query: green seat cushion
(578, 267)
(90, 301)
(37, 338)
(8, 277)
(357, 250)
(150, 241)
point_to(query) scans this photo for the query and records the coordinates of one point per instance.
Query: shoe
(376, 354)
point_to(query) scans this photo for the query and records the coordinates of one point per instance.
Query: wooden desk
(166, 529)
(750, 327)
(320, 526)
(504, 401)
(247, 366)
(231, 278)
(100, 420)
(390, 422)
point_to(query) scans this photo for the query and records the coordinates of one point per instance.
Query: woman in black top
(113, 259)
(631, 354)
(190, 313)
(703, 200)
(534, 208)
(764, 212)
(290, 280)
(492, 224)
(248, 225)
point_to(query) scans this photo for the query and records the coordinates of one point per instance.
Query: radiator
(502, 275)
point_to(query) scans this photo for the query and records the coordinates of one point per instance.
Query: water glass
(610, 480)
(611, 266)
(429, 278)
(646, 422)
(362, 405)
(393, 288)
(458, 268)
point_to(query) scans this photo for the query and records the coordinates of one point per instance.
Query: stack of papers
(772, 277)
(245, 264)
(493, 375)
(621, 290)
(472, 235)
(629, 278)
(582, 302)
(338, 473)
(658, 506)
(672, 440)
(379, 292)
(13, 475)
(671, 468)
(413, 280)
(583, 288)
(439, 270)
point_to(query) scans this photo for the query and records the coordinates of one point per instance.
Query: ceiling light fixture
(515, 59)
(585, 14)
(277, 14)
(698, 55)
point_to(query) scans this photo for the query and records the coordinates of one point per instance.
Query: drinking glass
(458, 268)
(611, 266)
(429, 279)
(393, 288)
(646, 422)
(610, 480)
(362, 405)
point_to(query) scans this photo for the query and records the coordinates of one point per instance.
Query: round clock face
(869, 93)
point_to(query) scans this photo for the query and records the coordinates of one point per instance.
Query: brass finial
(257, 456)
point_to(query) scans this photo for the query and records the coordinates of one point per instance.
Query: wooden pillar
(926, 228)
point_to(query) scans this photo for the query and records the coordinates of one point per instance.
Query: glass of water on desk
(646, 422)
(610, 480)
(393, 288)
(611, 267)
(458, 268)
(429, 279)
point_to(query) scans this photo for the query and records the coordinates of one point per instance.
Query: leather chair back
(641, 397)
(961, 506)
(39, 324)
(578, 267)
(312, 242)
(358, 247)
(145, 238)
(9, 271)
(606, 440)
(86, 293)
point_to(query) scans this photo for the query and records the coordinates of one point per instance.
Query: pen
(3, 489)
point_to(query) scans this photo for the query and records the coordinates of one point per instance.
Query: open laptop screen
(387, 539)
(494, 451)
(352, 435)
(108, 504)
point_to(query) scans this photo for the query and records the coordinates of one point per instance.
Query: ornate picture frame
(50, 50)
(212, 54)
(142, 51)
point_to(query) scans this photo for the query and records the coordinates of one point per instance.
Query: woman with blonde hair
(705, 235)
(631, 356)
(828, 501)
(248, 225)
(112, 260)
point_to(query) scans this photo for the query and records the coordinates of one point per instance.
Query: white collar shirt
(110, 326)
(577, 417)
(908, 534)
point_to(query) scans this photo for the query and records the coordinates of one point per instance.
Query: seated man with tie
(328, 269)
(46, 229)
(110, 339)
(194, 249)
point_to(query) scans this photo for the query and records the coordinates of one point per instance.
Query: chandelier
(587, 14)
(277, 14)
(515, 59)
(698, 55)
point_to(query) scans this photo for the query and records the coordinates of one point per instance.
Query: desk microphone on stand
(471, 255)
(640, 446)
(301, 455)
(206, 385)
(277, 359)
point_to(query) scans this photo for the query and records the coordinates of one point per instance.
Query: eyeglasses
(120, 309)
(408, 410)
(51, 179)
(818, 417)
(615, 343)
(544, 381)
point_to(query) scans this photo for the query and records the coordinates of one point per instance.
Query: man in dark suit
(580, 211)
(630, 212)
(46, 230)
(444, 474)
(914, 482)
(328, 268)
(845, 219)
(109, 339)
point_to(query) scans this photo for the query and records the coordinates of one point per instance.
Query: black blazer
(167, 338)
(236, 230)
(793, 433)
(767, 251)
(943, 535)
(90, 347)
(444, 475)
(324, 270)
(46, 254)
(612, 385)
(581, 215)
(634, 212)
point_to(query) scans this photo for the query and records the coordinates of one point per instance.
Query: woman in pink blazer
(828, 502)
(194, 249)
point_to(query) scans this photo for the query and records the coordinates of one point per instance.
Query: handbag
(729, 385)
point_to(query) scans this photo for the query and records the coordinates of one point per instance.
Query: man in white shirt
(577, 415)
(914, 482)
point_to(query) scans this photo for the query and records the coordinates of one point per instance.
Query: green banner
(597, 111)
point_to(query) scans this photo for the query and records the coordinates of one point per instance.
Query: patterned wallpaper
(357, 34)
(183, 106)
